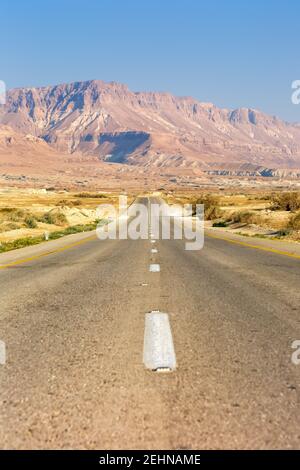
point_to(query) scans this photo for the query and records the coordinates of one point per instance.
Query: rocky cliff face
(110, 122)
(250, 170)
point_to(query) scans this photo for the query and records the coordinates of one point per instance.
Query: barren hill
(153, 130)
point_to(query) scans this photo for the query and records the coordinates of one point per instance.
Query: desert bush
(286, 201)
(246, 217)
(76, 202)
(212, 212)
(7, 210)
(30, 221)
(209, 200)
(222, 223)
(13, 214)
(211, 204)
(243, 217)
(91, 195)
(63, 202)
(294, 222)
(262, 197)
(69, 203)
(55, 218)
(282, 233)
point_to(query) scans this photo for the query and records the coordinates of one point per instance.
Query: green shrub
(19, 243)
(282, 233)
(71, 230)
(54, 218)
(220, 224)
(30, 222)
(28, 241)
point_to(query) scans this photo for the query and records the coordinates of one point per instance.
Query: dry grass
(264, 213)
(286, 201)
(30, 213)
(294, 221)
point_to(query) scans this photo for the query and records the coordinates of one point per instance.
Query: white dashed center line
(154, 268)
(159, 353)
(2, 353)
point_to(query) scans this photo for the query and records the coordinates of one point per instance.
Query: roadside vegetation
(288, 201)
(28, 241)
(28, 217)
(212, 209)
(268, 214)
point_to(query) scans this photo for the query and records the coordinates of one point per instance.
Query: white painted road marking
(154, 268)
(2, 353)
(152, 241)
(154, 250)
(159, 353)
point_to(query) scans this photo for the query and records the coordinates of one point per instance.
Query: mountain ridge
(108, 121)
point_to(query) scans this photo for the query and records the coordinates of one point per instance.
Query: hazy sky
(230, 52)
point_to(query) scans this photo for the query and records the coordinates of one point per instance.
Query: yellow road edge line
(93, 237)
(257, 247)
(47, 253)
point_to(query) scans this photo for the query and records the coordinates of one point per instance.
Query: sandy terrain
(32, 212)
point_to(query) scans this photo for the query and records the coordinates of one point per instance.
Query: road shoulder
(275, 246)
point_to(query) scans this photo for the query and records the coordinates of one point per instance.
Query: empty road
(73, 322)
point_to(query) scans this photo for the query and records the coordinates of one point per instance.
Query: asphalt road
(73, 323)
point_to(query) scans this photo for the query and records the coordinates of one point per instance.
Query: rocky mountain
(30, 161)
(19, 150)
(250, 170)
(152, 130)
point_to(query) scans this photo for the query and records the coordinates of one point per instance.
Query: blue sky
(230, 52)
